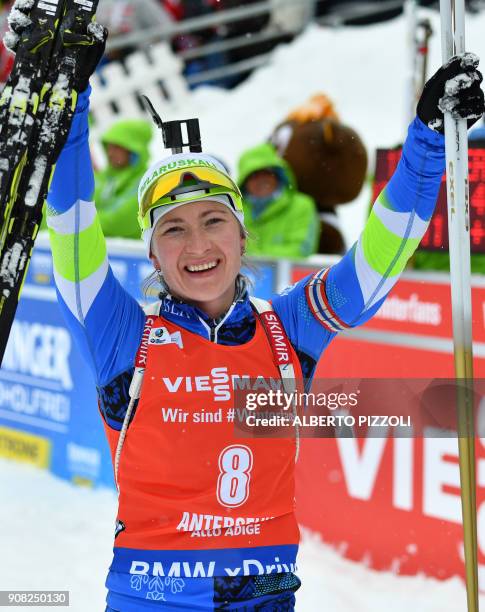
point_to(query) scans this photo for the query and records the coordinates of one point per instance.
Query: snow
(96, 30)
(35, 181)
(470, 59)
(10, 40)
(24, 5)
(435, 124)
(54, 535)
(18, 20)
(58, 536)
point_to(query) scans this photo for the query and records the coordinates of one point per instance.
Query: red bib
(186, 482)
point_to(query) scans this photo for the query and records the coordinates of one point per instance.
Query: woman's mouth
(205, 267)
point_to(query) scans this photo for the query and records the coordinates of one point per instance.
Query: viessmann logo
(217, 383)
(220, 383)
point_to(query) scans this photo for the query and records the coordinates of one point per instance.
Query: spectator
(186, 42)
(175, 8)
(128, 16)
(127, 148)
(245, 28)
(361, 13)
(282, 221)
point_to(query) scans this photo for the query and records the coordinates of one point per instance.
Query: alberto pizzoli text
(332, 420)
(288, 410)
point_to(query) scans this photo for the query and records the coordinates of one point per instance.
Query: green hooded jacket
(116, 193)
(288, 226)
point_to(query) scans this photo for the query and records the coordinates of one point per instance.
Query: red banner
(394, 503)
(418, 307)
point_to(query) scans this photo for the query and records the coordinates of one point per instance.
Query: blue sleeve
(73, 176)
(105, 320)
(350, 292)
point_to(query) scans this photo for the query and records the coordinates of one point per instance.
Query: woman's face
(261, 183)
(198, 248)
(118, 157)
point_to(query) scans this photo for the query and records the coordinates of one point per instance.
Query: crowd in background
(286, 217)
(284, 19)
(130, 16)
(124, 17)
(292, 183)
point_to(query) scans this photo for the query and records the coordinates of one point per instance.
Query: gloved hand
(88, 36)
(455, 87)
(90, 39)
(18, 22)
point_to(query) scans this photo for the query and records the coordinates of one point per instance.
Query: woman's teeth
(202, 267)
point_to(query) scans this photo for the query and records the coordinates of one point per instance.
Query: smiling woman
(198, 250)
(206, 520)
(193, 228)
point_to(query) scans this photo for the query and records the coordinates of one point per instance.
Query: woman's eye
(172, 230)
(214, 220)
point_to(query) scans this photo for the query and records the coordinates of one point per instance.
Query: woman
(127, 147)
(206, 521)
(281, 220)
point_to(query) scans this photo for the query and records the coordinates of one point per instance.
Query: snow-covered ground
(56, 536)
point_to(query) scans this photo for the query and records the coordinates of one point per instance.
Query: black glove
(18, 22)
(90, 40)
(88, 37)
(455, 87)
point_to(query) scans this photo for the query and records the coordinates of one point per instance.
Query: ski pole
(426, 31)
(410, 11)
(452, 43)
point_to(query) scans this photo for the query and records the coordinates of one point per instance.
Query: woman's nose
(197, 242)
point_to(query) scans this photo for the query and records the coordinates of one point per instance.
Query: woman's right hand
(89, 36)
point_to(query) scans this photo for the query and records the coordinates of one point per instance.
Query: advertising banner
(392, 502)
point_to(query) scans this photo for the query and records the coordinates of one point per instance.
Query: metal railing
(156, 34)
(338, 15)
(235, 68)
(352, 11)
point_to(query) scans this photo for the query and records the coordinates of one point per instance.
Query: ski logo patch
(86, 4)
(161, 335)
(50, 6)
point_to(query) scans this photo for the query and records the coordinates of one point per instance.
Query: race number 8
(235, 465)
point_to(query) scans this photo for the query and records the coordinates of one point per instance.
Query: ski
(29, 182)
(22, 98)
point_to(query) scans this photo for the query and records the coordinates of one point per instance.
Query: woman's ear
(243, 245)
(155, 262)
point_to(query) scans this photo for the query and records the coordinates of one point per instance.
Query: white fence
(155, 72)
